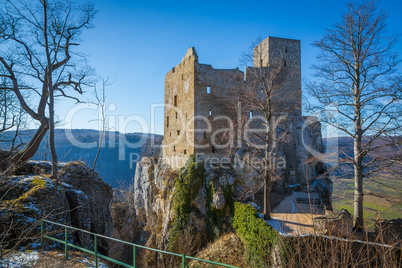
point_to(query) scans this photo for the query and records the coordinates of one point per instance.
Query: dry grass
(319, 251)
(227, 249)
(56, 260)
(53, 259)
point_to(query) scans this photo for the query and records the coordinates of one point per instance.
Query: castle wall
(285, 54)
(215, 92)
(179, 108)
(201, 104)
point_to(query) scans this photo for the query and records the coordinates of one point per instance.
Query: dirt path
(295, 214)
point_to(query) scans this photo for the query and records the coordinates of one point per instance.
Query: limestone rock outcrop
(90, 197)
(80, 199)
(151, 209)
(153, 193)
(25, 200)
(125, 226)
(340, 225)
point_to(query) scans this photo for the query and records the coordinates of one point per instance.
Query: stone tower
(194, 93)
(286, 53)
(197, 97)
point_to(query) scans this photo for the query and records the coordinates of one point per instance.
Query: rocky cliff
(178, 211)
(182, 210)
(79, 198)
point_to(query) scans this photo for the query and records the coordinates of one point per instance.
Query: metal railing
(97, 255)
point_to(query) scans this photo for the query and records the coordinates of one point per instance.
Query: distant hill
(345, 150)
(115, 164)
(383, 190)
(115, 168)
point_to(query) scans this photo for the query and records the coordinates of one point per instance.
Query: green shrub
(187, 187)
(258, 237)
(215, 217)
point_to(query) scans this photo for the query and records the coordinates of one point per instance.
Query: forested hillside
(116, 154)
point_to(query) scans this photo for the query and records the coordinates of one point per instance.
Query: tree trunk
(267, 171)
(358, 197)
(357, 156)
(20, 158)
(99, 147)
(267, 189)
(51, 139)
(51, 96)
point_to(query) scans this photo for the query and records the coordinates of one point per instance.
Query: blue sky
(135, 43)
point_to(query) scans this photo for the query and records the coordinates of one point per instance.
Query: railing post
(134, 256)
(183, 261)
(97, 255)
(96, 250)
(65, 243)
(41, 234)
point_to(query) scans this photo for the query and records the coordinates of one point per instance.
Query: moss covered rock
(25, 200)
(79, 198)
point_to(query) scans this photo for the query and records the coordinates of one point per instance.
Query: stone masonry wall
(211, 105)
(273, 52)
(179, 108)
(198, 100)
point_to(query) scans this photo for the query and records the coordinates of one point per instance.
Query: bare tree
(101, 103)
(11, 116)
(358, 79)
(37, 38)
(260, 116)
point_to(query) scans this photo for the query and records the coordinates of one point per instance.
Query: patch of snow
(274, 223)
(254, 205)
(77, 191)
(35, 244)
(294, 185)
(20, 259)
(28, 178)
(293, 207)
(91, 262)
(66, 185)
(30, 220)
(31, 207)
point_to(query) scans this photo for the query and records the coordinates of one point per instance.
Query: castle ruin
(198, 98)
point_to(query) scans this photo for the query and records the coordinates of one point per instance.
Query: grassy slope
(374, 206)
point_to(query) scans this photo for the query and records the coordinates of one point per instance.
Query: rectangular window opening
(178, 133)
(185, 151)
(286, 49)
(175, 101)
(174, 148)
(284, 62)
(167, 121)
(208, 90)
(176, 115)
(251, 114)
(210, 112)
